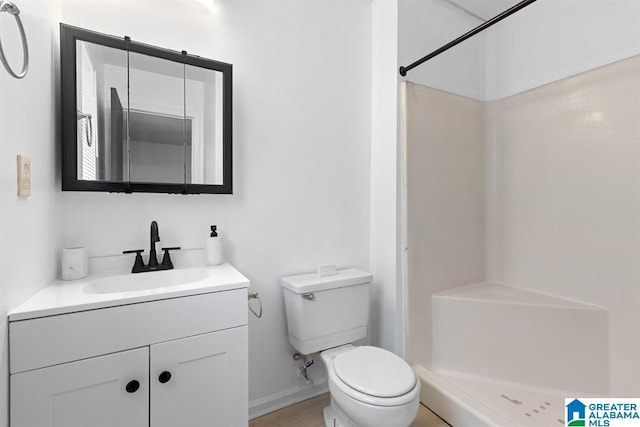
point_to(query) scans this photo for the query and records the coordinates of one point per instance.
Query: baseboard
(287, 397)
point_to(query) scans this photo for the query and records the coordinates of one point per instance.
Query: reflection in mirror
(157, 99)
(100, 131)
(162, 142)
(205, 108)
(157, 152)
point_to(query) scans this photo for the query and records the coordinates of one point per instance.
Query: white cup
(75, 263)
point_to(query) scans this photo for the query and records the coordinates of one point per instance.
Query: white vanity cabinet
(206, 387)
(88, 392)
(164, 363)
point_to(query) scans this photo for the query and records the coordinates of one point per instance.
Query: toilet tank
(326, 311)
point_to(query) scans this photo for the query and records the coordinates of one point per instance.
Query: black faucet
(138, 265)
(154, 237)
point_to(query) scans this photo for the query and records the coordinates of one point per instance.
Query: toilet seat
(374, 376)
(375, 371)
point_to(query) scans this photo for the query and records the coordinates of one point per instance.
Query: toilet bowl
(369, 387)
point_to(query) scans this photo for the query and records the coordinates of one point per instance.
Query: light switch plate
(24, 175)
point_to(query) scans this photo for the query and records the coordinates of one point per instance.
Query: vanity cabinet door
(201, 380)
(97, 392)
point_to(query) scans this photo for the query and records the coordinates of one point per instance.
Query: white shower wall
(563, 199)
(444, 137)
(562, 213)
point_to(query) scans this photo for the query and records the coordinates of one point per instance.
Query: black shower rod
(476, 30)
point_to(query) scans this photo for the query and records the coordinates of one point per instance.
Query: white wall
(518, 53)
(425, 25)
(386, 300)
(302, 129)
(550, 40)
(29, 227)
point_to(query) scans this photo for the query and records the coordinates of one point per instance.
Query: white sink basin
(144, 281)
(96, 292)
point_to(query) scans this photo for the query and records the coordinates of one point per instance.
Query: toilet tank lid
(305, 283)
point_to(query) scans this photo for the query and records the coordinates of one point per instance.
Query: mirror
(137, 118)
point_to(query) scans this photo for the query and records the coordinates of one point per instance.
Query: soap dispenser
(215, 255)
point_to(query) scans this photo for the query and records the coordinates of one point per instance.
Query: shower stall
(522, 217)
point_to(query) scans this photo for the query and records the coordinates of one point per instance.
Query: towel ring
(88, 130)
(7, 6)
(254, 295)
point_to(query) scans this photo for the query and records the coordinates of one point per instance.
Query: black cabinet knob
(164, 377)
(132, 386)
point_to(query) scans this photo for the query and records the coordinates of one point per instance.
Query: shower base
(503, 356)
(467, 401)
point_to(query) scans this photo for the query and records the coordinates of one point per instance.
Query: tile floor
(309, 414)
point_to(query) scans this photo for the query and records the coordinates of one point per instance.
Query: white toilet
(369, 386)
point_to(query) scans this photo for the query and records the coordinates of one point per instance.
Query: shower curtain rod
(476, 30)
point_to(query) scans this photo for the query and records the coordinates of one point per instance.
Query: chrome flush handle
(309, 296)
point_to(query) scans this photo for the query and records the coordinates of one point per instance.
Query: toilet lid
(374, 371)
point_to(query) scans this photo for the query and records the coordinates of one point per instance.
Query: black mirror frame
(70, 181)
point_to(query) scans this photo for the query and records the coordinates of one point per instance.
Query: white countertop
(62, 297)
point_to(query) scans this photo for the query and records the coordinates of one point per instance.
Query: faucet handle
(166, 259)
(139, 263)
